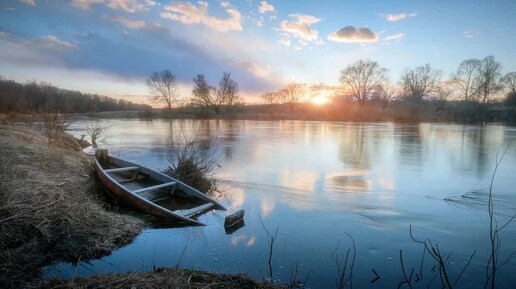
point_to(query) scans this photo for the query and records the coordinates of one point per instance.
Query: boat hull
(138, 202)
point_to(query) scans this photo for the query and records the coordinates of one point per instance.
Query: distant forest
(43, 97)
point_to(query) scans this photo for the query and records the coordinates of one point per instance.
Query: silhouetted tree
(292, 94)
(420, 82)
(228, 90)
(208, 96)
(203, 93)
(270, 97)
(464, 79)
(384, 94)
(509, 81)
(487, 80)
(162, 87)
(362, 78)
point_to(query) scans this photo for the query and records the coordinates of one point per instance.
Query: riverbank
(51, 210)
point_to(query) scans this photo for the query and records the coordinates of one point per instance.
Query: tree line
(475, 80)
(43, 97)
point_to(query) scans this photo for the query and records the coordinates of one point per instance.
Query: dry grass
(163, 278)
(49, 208)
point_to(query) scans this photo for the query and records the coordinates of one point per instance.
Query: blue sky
(111, 46)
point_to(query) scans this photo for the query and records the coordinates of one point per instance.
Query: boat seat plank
(159, 199)
(196, 210)
(152, 188)
(124, 169)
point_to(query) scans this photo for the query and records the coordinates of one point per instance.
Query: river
(323, 185)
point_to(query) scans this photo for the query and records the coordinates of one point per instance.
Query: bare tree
(162, 87)
(384, 93)
(464, 79)
(420, 82)
(270, 97)
(509, 81)
(208, 96)
(487, 80)
(228, 90)
(442, 95)
(292, 94)
(362, 78)
(203, 93)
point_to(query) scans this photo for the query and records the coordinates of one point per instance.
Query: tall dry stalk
(494, 230)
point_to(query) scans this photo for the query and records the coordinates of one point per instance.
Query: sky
(111, 47)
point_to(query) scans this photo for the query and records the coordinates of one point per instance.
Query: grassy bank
(51, 210)
(163, 278)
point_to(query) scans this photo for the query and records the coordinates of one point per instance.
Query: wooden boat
(152, 192)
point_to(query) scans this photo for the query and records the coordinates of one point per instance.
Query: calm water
(319, 181)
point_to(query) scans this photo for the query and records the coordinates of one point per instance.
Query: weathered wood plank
(125, 169)
(234, 219)
(192, 212)
(156, 187)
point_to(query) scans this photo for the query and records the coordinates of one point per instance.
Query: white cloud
(395, 37)
(397, 17)
(470, 34)
(47, 42)
(301, 27)
(255, 69)
(134, 23)
(285, 41)
(225, 4)
(129, 6)
(85, 4)
(51, 41)
(188, 13)
(350, 34)
(29, 2)
(266, 8)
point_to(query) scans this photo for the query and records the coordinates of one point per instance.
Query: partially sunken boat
(152, 192)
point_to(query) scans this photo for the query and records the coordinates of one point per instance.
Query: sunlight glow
(320, 100)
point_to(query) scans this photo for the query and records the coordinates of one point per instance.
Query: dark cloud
(351, 34)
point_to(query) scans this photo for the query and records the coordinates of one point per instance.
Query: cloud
(135, 23)
(29, 2)
(301, 27)
(188, 13)
(129, 6)
(470, 34)
(266, 8)
(51, 41)
(85, 4)
(350, 34)
(397, 17)
(395, 37)
(285, 41)
(255, 69)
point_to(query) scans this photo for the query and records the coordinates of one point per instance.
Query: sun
(320, 100)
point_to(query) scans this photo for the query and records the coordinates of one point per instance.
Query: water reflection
(318, 181)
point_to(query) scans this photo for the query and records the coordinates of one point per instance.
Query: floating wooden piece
(234, 218)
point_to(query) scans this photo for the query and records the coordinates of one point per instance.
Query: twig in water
(181, 257)
(376, 278)
(342, 264)
(494, 238)
(271, 240)
(405, 280)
